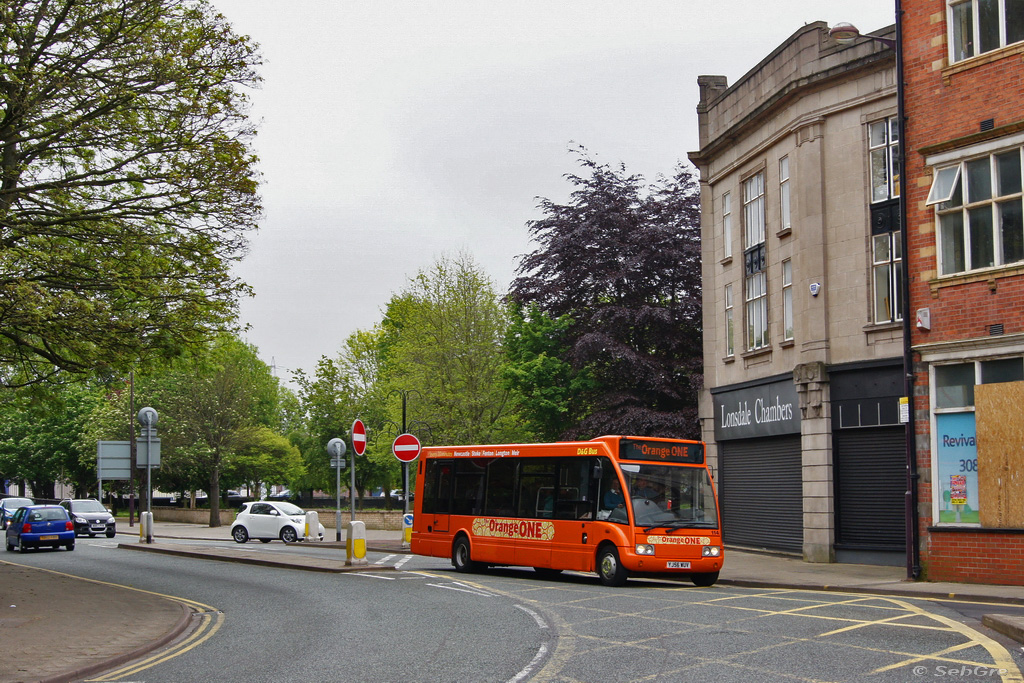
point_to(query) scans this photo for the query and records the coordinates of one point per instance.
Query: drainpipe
(912, 535)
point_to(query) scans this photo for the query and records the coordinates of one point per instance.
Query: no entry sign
(406, 447)
(359, 437)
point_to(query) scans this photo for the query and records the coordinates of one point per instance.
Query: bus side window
(537, 488)
(469, 488)
(501, 477)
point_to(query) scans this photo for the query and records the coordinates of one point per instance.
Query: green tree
(41, 431)
(443, 341)
(342, 389)
(552, 393)
(209, 404)
(262, 458)
(127, 186)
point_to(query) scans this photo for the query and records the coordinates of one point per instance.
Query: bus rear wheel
(609, 569)
(704, 579)
(461, 559)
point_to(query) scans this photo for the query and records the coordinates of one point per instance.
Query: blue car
(36, 526)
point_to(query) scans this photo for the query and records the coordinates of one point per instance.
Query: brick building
(803, 332)
(964, 94)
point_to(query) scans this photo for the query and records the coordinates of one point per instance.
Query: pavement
(102, 626)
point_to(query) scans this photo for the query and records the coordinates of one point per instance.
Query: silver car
(8, 506)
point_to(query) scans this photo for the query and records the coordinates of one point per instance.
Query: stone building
(803, 334)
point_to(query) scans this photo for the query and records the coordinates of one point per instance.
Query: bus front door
(443, 507)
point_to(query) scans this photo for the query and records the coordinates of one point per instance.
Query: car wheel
(461, 558)
(69, 546)
(22, 548)
(240, 534)
(609, 568)
(111, 533)
(266, 540)
(289, 535)
(10, 546)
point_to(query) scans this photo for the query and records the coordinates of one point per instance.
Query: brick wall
(945, 106)
(975, 557)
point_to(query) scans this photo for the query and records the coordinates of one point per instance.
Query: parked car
(270, 519)
(90, 517)
(8, 506)
(36, 526)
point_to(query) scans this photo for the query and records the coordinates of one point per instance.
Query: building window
(955, 424)
(886, 259)
(980, 212)
(979, 26)
(730, 349)
(787, 299)
(727, 223)
(784, 193)
(754, 258)
(887, 274)
(883, 150)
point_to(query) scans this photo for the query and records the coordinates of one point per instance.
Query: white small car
(271, 519)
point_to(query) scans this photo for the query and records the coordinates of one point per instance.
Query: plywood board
(1000, 434)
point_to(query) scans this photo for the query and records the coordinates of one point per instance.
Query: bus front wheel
(704, 579)
(461, 559)
(609, 569)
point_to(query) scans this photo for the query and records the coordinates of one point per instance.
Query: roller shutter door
(761, 493)
(871, 485)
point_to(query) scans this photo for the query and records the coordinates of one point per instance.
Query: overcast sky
(394, 132)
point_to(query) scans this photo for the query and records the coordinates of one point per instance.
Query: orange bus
(617, 505)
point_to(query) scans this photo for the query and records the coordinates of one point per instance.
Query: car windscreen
(289, 509)
(87, 506)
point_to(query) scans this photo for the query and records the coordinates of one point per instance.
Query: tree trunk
(213, 495)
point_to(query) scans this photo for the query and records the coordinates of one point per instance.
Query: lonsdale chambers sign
(769, 409)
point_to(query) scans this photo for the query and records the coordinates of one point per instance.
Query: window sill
(726, 261)
(883, 327)
(980, 60)
(785, 232)
(728, 359)
(962, 528)
(989, 275)
(747, 355)
(786, 344)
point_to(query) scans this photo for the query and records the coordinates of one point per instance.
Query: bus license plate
(47, 538)
(678, 565)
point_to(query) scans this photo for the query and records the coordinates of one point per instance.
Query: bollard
(146, 527)
(406, 530)
(355, 544)
(312, 526)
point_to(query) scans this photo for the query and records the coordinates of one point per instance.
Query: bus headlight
(644, 549)
(711, 551)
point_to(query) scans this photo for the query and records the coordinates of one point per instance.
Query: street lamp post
(843, 34)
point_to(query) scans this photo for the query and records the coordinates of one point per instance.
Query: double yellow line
(211, 621)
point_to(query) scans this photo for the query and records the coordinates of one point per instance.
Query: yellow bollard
(406, 530)
(355, 543)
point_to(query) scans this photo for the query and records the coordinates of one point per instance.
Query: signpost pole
(336, 449)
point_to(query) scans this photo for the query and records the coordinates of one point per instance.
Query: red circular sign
(359, 437)
(406, 447)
